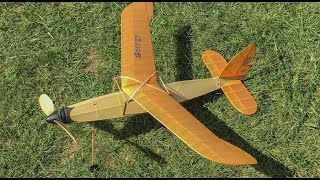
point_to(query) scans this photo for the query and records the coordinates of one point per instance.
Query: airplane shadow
(144, 123)
(135, 125)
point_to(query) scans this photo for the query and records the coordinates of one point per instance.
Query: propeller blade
(66, 129)
(46, 104)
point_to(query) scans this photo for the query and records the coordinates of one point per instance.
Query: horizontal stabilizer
(240, 97)
(214, 61)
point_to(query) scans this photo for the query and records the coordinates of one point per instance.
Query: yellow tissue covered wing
(137, 60)
(184, 125)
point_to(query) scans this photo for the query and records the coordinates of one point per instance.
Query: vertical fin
(240, 65)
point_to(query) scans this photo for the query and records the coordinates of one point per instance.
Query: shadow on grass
(184, 53)
(141, 124)
(136, 125)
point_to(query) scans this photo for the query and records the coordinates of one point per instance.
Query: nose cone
(53, 116)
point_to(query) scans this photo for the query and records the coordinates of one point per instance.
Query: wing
(181, 123)
(137, 60)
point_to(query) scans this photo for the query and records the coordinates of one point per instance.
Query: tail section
(238, 67)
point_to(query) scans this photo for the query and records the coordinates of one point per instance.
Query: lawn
(71, 51)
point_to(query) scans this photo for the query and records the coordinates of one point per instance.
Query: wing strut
(115, 82)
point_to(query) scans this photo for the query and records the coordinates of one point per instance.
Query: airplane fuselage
(112, 105)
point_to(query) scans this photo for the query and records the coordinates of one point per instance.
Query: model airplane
(142, 90)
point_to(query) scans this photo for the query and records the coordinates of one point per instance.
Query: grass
(52, 48)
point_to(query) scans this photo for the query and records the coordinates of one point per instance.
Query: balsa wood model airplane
(142, 90)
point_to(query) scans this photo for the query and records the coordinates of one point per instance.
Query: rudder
(240, 65)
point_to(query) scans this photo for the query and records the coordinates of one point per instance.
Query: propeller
(46, 104)
(53, 116)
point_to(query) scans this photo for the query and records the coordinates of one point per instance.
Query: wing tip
(250, 111)
(209, 52)
(148, 5)
(241, 163)
(240, 158)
